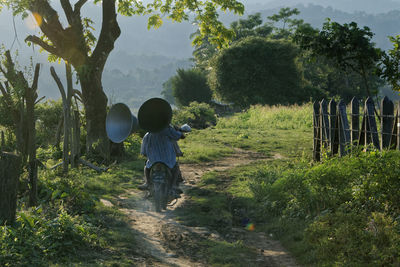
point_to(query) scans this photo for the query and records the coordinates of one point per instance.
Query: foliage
(5, 118)
(38, 238)
(190, 85)
(48, 116)
(258, 71)
(167, 91)
(347, 45)
(132, 146)
(389, 67)
(197, 115)
(251, 26)
(350, 205)
(284, 18)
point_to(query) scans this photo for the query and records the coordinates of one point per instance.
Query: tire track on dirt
(154, 230)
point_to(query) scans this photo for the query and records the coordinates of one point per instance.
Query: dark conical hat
(154, 115)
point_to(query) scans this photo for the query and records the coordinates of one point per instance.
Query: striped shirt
(158, 147)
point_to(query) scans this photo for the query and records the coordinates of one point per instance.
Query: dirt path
(163, 241)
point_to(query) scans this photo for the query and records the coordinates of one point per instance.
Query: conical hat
(154, 115)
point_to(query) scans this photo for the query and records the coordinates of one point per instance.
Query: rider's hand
(183, 136)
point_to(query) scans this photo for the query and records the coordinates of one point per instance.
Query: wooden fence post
(332, 115)
(3, 141)
(387, 109)
(355, 120)
(369, 131)
(10, 165)
(317, 143)
(397, 125)
(324, 124)
(343, 128)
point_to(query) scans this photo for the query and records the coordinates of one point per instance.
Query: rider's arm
(174, 134)
(143, 148)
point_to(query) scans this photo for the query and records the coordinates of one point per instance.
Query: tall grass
(271, 117)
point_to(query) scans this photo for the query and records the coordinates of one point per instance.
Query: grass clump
(197, 115)
(343, 211)
(38, 238)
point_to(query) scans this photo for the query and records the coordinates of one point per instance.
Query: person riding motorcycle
(162, 147)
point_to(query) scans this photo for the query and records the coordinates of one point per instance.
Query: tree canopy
(257, 71)
(189, 86)
(347, 45)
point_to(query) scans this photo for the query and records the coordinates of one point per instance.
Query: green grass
(341, 211)
(93, 234)
(268, 130)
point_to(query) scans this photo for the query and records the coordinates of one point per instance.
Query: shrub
(258, 71)
(37, 238)
(351, 206)
(197, 115)
(48, 116)
(190, 85)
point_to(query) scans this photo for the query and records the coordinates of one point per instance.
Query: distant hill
(368, 6)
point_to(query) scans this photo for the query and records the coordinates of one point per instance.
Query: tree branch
(59, 84)
(36, 40)
(66, 5)
(110, 32)
(36, 77)
(78, 5)
(48, 14)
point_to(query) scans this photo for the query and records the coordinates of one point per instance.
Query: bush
(197, 115)
(258, 71)
(71, 191)
(351, 206)
(48, 116)
(190, 85)
(38, 238)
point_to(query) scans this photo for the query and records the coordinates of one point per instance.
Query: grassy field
(268, 130)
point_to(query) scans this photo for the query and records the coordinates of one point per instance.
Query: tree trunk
(10, 167)
(95, 102)
(30, 126)
(76, 134)
(58, 133)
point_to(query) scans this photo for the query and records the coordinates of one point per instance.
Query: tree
(20, 99)
(258, 71)
(189, 86)
(389, 65)
(349, 47)
(76, 44)
(252, 26)
(167, 91)
(284, 17)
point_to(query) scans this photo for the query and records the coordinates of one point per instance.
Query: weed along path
(164, 239)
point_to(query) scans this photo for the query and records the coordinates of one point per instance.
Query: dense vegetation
(341, 211)
(189, 86)
(258, 71)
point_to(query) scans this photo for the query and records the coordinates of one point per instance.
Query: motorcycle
(162, 180)
(153, 116)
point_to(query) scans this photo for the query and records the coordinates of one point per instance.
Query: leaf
(154, 21)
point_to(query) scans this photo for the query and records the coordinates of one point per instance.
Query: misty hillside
(368, 6)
